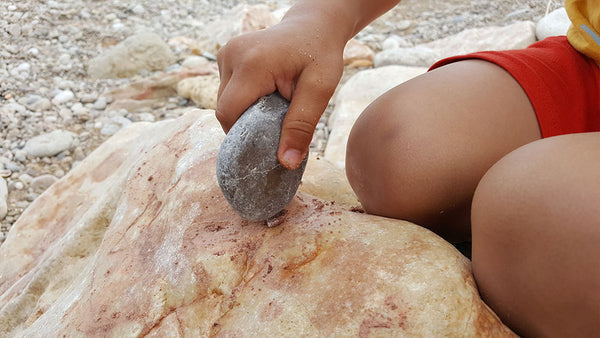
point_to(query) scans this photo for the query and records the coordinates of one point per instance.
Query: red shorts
(563, 85)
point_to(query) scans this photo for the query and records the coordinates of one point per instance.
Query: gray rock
(51, 143)
(253, 181)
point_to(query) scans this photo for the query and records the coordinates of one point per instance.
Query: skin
(301, 57)
(456, 150)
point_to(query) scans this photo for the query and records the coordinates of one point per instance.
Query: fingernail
(291, 159)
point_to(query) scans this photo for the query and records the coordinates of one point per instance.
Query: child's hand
(300, 58)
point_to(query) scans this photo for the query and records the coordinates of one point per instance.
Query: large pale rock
(322, 178)
(354, 96)
(142, 51)
(553, 24)
(200, 89)
(139, 241)
(157, 86)
(239, 20)
(515, 36)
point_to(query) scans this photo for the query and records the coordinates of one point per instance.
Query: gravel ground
(45, 47)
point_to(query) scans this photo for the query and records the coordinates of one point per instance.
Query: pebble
(26, 179)
(100, 103)
(63, 96)
(40, 104)
(138, 9)
(21, 155)
(18, 185)
(12, 166)
(43, 182)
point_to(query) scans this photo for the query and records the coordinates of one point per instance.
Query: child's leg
(536, 237)
(419, 151)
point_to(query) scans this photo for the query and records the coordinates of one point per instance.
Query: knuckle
(322, 82)
(300, 129)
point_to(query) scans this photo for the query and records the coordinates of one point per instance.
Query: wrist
(333, 21)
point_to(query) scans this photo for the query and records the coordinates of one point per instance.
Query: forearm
(342, 18)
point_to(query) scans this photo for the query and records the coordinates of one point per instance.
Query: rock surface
(253, 181)
(354, 96)
(515, 36)
(46, 48)
(138, 240)
(553, 24)
(143, 51)
(200, 89)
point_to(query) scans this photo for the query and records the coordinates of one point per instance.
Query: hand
(300, 58)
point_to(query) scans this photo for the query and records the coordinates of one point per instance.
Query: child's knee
(394, 163)
(372, 160)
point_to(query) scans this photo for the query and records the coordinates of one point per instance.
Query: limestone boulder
(142, 51)
(553, 24)
(354, 96)
(202, 90)
(515, 36)
(138, 240)
(241, 19)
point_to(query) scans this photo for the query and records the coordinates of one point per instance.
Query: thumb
(309, 100)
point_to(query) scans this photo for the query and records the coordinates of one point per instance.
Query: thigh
(536, 235)
(418, 152)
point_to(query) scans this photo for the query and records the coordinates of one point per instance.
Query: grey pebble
(253, 181)
(100, 103)
(42, 182)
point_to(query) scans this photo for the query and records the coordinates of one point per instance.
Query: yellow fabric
(584, 33)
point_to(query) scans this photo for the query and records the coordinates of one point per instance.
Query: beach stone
(26, 179)
(50, 144)
(554, 24)
(138, 240)
(63, 96)
(42, 182)
(253, 181)
(100, 103)
(353, 97)
(3, 197)
(142, 51)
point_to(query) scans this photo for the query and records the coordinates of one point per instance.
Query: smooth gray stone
(253, 181)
